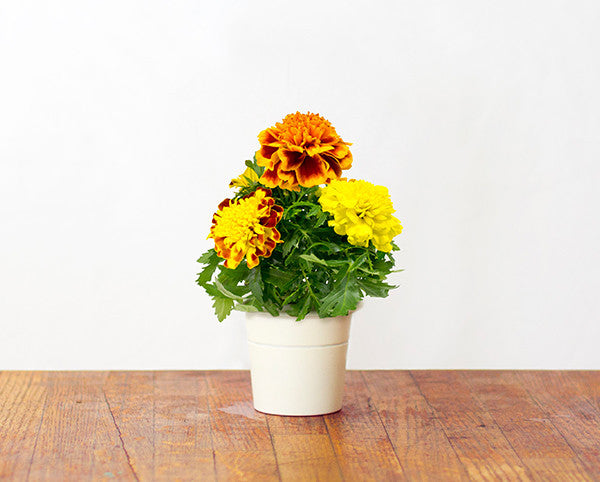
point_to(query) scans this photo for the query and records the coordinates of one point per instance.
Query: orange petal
(290, 160)
(270, 178)
(346, 162)
(312, 172)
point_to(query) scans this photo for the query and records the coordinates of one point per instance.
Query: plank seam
(210, 429)
(273, 446)
(440, 424)
(39, 429)
(370, 401)
(324, 418)
(487, 410)
(547, 415)
(120, 437)
(154, 423)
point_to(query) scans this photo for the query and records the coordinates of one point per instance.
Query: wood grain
(241, 438)
(540, 446)
(417, 435)
(129, 397)
(182, 439)
(566, 400)
(479, 443)
(22, 402)
(66, 447)
(395, 425)
(360, 439)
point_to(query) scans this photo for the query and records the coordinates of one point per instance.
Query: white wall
(122, 122)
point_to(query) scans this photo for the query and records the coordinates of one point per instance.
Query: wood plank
(76, 440)
(566, 399)
(416, 434)
(182, 440)
(22, 401)
(589, 383)
(540, 446)
(478, 441)
(433, 425)
(240, 435)
(130, 400)
(303, 448)
(363, 448)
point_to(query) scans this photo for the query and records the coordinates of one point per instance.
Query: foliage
(312, 269)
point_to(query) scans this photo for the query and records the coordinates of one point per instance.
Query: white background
(121, 124)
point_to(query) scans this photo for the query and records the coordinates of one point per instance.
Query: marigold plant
(311, 240)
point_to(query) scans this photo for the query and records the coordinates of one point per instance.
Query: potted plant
(297, 247)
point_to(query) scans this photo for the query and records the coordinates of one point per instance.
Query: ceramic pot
(297, 367)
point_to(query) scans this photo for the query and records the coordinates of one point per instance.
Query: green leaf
(223, 307)
(330, 247)
(321, 219)
(212, 290)
(244, 307)
(375, 288)
(231, 277)
(254, 165)
(255, 283)
(227, 292)
(271, 307)
(208, 256)
(344, 297)
(278, 277)
(304, 309)
(358, 261)
(211, 260)
(291, 243)
(292, 296)
(311, 258)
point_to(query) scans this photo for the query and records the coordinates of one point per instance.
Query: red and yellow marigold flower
(362, 211)
(302, 150)
(246, 228)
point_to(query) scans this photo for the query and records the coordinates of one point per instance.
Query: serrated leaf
(358, 261)
(223, 307)
(278, 277)
(344, 297)
(255, 283)
(227, 292)
(315, 209)
(311, 258)
(271, 307)
(304, 309)
(291, 297)
(375, 288)
(208, 257)
(213, 291)
(321, 219)
(212, 260)
(290, 244)
(229, 276)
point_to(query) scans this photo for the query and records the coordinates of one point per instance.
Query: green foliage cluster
(314, 269)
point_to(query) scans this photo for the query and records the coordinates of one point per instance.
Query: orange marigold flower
(303, 149)
(246, 227)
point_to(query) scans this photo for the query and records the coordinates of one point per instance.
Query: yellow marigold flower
(244, 179)
(302, 149)
(246, 227)
(362, 211)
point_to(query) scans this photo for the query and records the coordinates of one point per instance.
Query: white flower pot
(297, 367)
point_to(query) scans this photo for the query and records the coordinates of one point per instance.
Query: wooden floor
(395, 425)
